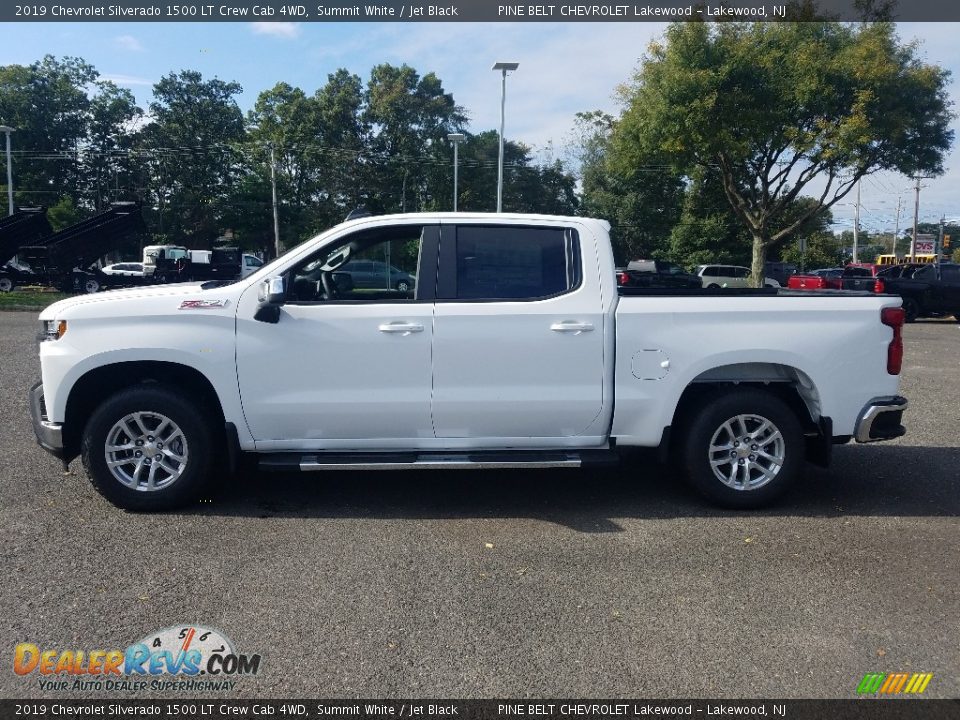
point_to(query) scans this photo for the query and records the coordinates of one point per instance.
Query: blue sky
(564, 68)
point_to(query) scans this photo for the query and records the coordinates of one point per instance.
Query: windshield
(267, 269)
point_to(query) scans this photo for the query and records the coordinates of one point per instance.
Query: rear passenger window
(511, 263)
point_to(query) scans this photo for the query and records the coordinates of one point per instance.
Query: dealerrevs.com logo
(197, 658)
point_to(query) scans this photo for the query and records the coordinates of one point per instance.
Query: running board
(286, 462)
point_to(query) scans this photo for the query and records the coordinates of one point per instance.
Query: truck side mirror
(271, 296)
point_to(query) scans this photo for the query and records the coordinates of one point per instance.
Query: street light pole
(503, 67)
(7, 130)
(455, 138)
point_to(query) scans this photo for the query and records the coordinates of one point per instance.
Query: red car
(855, 276)
(825, 279)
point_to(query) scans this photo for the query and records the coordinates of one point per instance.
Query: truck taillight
(878, 286)
(893, 317)
(623, 278)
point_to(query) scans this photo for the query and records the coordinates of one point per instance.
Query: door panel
(330, 371)
(355, 366)
(513, 366)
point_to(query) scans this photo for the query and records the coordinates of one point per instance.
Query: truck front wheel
(743, 449)
(147, 448)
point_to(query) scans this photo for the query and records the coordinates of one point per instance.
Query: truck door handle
(574, 327)
(400, 327)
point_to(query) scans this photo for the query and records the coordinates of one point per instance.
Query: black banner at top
(466, 11)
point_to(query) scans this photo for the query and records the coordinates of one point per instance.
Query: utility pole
(896, 228)
(273, 189)
(856, 226)
(939, 248)
(916, 215)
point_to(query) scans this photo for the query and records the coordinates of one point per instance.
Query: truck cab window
(377, 265)
(512, 263)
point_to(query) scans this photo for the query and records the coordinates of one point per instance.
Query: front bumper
(880, 419)
(49, 434)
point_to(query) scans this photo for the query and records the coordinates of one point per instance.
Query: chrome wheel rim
(747, 452)
(146, 451)
(91, 286)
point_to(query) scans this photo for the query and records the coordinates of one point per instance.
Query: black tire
(6, 284)
(703, 425)
(713, 286)
(91, 285)
(152, 399)
(911, 310)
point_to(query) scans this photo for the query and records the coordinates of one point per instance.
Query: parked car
(126, 269)
(927, 290)
(779, 271)
(518, 351)
(249, 265)
(378, 275)
(822, 279)
(729, 276)
(860, 276)
(655, 274)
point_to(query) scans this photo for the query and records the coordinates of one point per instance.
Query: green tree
(63, 214)
(707, 230)
(775, 106)
(192, 158)
(106, 163)
(48, 105)
(823, 250)
(409, 117)
(345, 138)
(527, 187)
(318, 142)
(642, 202)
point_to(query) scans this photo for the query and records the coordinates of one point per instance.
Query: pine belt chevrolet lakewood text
(459, 341)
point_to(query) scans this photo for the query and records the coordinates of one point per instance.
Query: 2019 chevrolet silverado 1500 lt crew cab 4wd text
(511, 347)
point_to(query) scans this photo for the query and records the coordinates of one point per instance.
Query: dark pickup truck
(860, 276)
(926, 289)
(656, 274)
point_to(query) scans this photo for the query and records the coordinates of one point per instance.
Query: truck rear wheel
(743, 449)
(147, 448)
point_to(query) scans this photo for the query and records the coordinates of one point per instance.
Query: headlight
(54, 329)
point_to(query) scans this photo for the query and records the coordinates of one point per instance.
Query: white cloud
(565, 68)
(121, 79)
(276, 29)
(128, 42)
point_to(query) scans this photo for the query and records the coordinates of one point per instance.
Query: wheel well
(102, 382)
(789, 384)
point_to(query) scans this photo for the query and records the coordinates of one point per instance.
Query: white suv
(732, 276)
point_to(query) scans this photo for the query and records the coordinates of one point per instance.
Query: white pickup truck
(441, 341)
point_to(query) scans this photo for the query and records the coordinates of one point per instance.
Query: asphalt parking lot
(620, 583)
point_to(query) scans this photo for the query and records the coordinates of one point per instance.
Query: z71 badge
(202, 304)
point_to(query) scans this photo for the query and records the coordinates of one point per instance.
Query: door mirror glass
(271, 295)
(272, 291)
